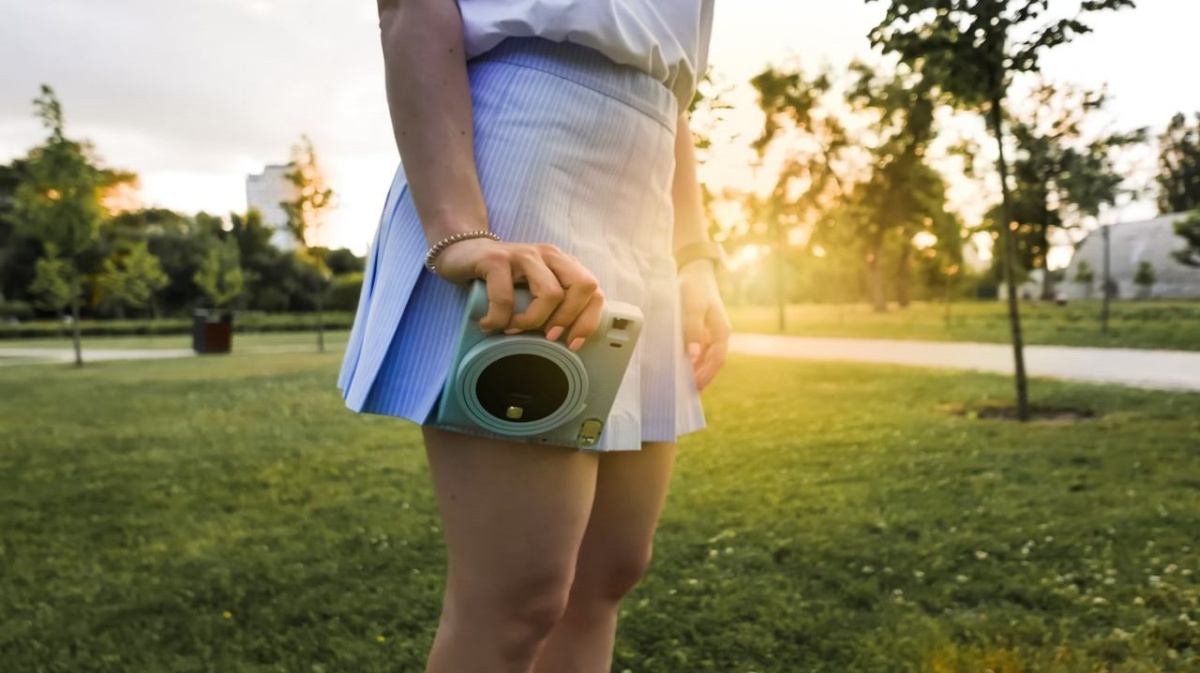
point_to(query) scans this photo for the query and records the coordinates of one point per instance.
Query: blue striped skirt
(571, 149)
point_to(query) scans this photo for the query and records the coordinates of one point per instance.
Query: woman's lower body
(543, 541)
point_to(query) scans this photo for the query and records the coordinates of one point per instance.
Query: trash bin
(212, 330)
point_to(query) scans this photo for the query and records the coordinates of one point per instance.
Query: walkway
(1163, 370)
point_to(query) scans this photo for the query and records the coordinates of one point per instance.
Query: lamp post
(1107, 282)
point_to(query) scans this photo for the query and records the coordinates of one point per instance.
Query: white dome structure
(1132, 243)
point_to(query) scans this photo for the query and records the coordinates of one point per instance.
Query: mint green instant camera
(525, 387)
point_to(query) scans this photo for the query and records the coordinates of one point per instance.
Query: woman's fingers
(587, 322)
(580, 286)
(543, 285)
(712, 359)
(500, 296)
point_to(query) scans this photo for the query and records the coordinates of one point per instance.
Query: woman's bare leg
(631, 489)
(514, 515)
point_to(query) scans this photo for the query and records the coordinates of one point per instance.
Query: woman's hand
(567, 297)
(706, 326)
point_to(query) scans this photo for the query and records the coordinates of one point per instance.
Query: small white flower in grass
(672, 592)
(1109, 581)
(1049, 538)
(868, 570)
(729, 550)
(962, 578)
(1170, 569)
(1155, 580)
(1100, 600)
(897, 592)
(1120, 634)
(1185, 572)
(980, 554)
(919, 574)
(1139, 601)
(693, 581)
(887, 570)
(712, 553)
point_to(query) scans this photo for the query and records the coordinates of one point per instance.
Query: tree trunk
(875, 277)
(779, 284)
(320, 321)
(902, 271)
(1008, 239)
(949, 297)
(75, 315)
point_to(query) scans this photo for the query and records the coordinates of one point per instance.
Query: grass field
(1165, 325)
(229, 514)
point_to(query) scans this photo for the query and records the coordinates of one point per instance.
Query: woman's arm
(689, 208)
(706, 327)
(429, 97)
(430, 102)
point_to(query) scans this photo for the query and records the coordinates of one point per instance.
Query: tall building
(264, 192)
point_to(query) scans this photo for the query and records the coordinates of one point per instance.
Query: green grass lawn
(229, 514)
(1133, 324)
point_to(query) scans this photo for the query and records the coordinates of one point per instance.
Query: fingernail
(512, 330)
(694, 350)
(554, 333)
(577, 343)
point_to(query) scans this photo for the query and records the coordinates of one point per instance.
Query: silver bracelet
(454, 238)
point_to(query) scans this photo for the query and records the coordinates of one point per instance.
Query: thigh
(512, 512)
(631, 490)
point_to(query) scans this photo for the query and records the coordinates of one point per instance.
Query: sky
(193, 95)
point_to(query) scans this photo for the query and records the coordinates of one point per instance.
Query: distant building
(1131, 243)
(264, 192)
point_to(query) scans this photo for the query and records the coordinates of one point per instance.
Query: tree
(903, 195)
(133, 279)
(1061, 175)
(1179, 166)
(971, 49)
(809, 141)
(1085, 276)
(51, 282)
(306, 217)
(59, 197)
(1145, 278)
(220, 276)
(1189, 230)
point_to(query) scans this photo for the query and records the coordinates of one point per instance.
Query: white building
(1130, 244)
(264, 192)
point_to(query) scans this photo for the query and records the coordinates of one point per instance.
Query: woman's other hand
(567, 297)
(706, 326)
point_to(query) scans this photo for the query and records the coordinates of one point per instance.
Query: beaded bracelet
(454, 238)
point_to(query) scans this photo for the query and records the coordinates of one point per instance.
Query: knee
(519, 612)
(614, 575)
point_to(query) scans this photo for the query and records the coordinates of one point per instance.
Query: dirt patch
(1037, 413)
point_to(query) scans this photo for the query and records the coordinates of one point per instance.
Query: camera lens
(521, 388)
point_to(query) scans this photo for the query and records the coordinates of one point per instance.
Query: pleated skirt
(571, 149)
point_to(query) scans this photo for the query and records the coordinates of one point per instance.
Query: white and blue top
(668, 39)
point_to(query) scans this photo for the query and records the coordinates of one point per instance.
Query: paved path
(92, 354)
(1164, 370)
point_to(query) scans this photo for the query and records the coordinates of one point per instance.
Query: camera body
(525, 387)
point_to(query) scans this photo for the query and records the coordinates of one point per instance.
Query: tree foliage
(1061, 174)
(1189, 229)
(1179, 165)
(220, 275)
